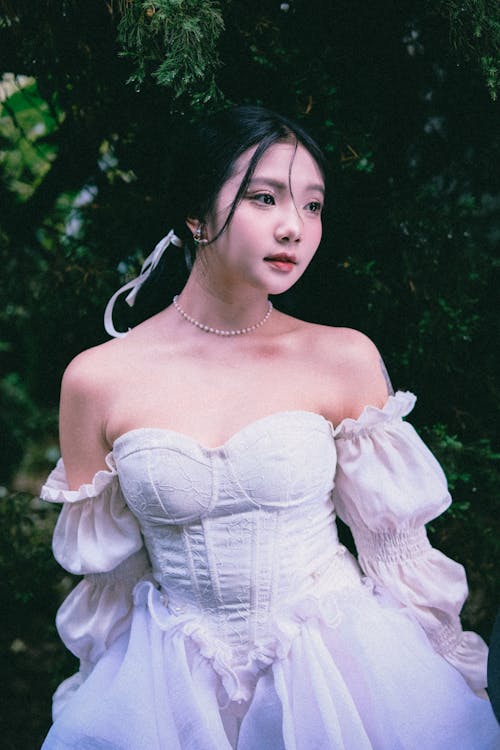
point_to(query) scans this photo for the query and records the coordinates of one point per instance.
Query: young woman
(206, 453)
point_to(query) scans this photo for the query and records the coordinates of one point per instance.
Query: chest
(211, 400)
(282, 462)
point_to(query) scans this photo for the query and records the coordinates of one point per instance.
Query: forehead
(284, 160)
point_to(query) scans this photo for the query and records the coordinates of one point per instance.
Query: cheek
(316, 233)
(245, 229)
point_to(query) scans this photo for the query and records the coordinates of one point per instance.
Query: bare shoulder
(355, 365)
(85, 393)
(340, 344)
(104, 368)
(93, 368)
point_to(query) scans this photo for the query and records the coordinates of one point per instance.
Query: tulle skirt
(360, 676)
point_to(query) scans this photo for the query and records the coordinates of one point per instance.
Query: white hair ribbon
(149, 265)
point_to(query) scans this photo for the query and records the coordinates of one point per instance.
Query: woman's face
(275, 229)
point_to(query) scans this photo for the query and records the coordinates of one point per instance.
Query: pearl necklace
(217, 331)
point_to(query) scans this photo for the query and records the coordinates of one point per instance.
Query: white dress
(219, 610)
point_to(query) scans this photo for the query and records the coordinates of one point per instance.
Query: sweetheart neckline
(401, 402)
(255, 422)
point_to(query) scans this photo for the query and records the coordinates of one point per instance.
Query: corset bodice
(237, 531)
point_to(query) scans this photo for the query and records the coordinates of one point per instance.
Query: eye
(266, 198)
(314, 206)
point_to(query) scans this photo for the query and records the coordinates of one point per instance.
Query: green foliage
(25, 122)
(18, 417)
(33, 661)
(470, 530)
(176, 42)
(475, 31)
(464, 464)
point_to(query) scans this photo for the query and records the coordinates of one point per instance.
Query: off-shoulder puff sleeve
(388, 485)
(97, 536)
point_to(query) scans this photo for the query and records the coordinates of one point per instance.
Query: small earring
(197, 237)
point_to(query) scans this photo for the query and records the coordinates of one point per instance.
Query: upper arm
(81, 420)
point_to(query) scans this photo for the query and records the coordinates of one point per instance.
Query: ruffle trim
(95, 531)
(464, 650)
(239, 677)
(470, 657)
(396, 407)
(56, 489)
(433, 588)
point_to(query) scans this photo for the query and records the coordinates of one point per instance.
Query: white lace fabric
(235, 548)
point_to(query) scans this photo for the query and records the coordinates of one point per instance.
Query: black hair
(203, 158)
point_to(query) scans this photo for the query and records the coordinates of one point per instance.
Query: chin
(281, 287)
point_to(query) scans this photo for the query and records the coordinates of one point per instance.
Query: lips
(283, 266)
(282, 262)
(282, 258)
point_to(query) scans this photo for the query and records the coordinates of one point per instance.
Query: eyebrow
(277, 185)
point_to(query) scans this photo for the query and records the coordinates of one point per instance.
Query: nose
(289, 226)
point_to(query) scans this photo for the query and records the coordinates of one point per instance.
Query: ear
(193, 224)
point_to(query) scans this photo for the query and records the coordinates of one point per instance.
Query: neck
(222, 306)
